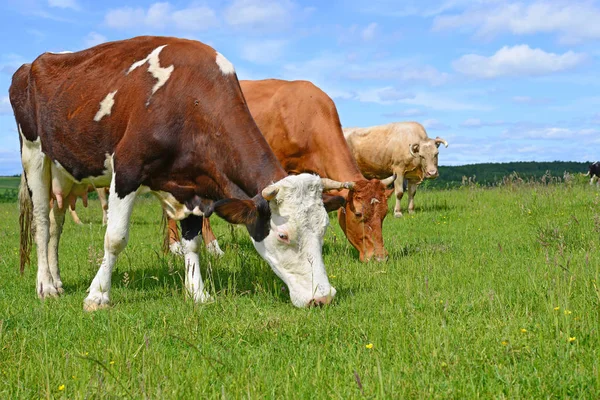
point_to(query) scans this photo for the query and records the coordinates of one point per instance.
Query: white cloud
(551, 133)
(72, 4)
(571, 21)
(260, 15)
(369, 32)
(5, 107)
(518, 60)
(161, 15)
(263, 51)
(93, 39)
(435, 125)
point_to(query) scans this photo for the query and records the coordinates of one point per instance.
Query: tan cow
(402, 148)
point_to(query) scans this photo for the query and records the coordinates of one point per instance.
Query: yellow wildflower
(556, 308)
(523, 330)
(369, 346)
(504, 343)
(572, 339)
(61, 387)
(567, 312)
(332, 276)
(111, 363)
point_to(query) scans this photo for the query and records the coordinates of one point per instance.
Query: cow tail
(26, 223)
(164, 226)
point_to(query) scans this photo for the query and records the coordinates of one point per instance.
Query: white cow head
(287, 224)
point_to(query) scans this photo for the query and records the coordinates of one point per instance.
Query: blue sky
(500, 80)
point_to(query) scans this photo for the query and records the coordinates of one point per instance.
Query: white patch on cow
(61, 52)
(298, 212)
(214, 248)
(224, 64)
(105, 106)
(115, 240)
(193, 278)
(158, 72)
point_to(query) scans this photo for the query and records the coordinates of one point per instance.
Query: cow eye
(283, 237)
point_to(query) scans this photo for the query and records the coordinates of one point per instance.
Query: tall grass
(487, 293)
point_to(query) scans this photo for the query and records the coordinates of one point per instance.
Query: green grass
(483, 289)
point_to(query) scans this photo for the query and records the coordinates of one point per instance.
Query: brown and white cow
(402, 148)
(164, 115)
(302, 126)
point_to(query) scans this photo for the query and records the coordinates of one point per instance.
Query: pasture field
(488, 293)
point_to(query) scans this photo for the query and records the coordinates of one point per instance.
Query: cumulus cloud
(551, 133)
(260, 15)
(72, 4)
(520, 60)
(263, 51)
(93, 39)
(571, 21)
(161, 15)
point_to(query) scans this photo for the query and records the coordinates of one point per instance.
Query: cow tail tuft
(26, 223)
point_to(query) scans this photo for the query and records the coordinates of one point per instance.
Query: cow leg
(104, 203)
(37, 170)
(115, 240)
(74, 216)
(191, 238)
(399, 190)
(212, 245)
(57, 220)
(173, 237)
(412, 189)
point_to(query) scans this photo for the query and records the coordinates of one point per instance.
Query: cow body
(594, 172)
(164, 115)
(402, 148)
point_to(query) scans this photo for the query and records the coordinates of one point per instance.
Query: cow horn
(439, 140)
(270, 192)
(389, 180)
(330, 184)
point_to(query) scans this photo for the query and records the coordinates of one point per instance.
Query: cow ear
(332, 203)
(236, 211)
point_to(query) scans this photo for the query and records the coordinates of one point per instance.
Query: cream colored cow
(402, 148)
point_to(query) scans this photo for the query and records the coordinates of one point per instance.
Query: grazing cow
(164, 115)
(302, 126)
(402, 148)
(594, 172)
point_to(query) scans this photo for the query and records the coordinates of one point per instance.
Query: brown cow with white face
(401, 148)
(168, 116)
(302, 126)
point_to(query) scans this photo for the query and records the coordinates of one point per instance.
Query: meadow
(488, 293)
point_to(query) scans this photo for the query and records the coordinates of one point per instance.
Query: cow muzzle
(432, 174)
(322, 300)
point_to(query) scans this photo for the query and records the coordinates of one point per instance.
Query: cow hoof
(411, 211)
(96, 302)
(397, 214)
(48, 291)
(203, 297)
(214, 249)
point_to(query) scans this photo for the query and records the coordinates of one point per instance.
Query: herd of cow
(169, 116)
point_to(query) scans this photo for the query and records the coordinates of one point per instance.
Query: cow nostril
(320, 301)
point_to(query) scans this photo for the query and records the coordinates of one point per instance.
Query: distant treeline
(492, 174)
